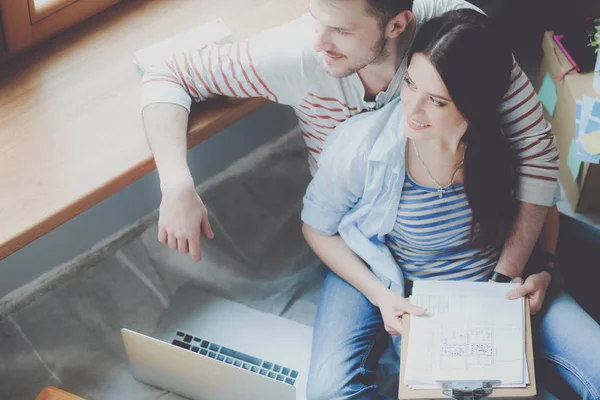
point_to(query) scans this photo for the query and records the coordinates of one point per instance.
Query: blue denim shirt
(357, 188)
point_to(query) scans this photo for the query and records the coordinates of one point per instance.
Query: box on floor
(583, 193)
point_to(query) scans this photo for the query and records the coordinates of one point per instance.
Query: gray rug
(64, 328)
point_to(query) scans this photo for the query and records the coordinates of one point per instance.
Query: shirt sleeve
(424, 10)
(269, 65)
(531, 139)
(338, 184)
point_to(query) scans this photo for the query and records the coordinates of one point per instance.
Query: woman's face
(429, 112)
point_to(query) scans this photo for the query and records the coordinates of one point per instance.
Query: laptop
(210, 348)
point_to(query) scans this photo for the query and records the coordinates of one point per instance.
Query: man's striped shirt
(280, 65)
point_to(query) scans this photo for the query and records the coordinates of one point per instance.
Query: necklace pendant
(440, 193)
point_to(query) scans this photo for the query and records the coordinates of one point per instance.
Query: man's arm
(425, 10)
(535, 285)
(264, 66)
(182, 215)
(549, 236)
(267, 65)
(522, 239)
(532, 141)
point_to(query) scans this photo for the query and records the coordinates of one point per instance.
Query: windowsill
(71, 133)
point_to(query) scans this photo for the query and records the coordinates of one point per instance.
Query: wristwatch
(500, 278)
(546, 263)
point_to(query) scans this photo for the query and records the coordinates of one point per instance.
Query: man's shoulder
(371, 134)
(426, 9)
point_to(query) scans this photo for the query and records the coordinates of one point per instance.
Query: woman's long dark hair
(475, 64)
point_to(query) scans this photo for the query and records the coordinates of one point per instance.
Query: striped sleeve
(531, 139)
(425, 10)
(263, 66)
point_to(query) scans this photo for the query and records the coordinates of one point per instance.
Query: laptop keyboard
(236, 358)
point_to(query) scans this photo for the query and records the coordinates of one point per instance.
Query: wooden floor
(70, 126)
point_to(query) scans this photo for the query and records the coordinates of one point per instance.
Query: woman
(422, 189)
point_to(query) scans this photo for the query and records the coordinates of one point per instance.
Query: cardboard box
(584, 193)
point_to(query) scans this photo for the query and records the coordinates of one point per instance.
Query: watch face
(498, 277)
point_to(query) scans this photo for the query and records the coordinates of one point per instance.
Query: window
(2, 41)
(28, 22)
(39, 9)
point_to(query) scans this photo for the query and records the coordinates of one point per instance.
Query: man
(356, 64)
(351, 62)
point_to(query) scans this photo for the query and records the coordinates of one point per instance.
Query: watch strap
(548, 268)
(500, 278)
(546, 257)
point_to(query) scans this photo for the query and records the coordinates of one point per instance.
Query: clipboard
(404, 392)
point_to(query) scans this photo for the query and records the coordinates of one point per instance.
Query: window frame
(24, 28)
(38, 12)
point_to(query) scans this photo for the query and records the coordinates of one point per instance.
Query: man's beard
(378, 54)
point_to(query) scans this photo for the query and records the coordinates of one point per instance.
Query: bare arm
(182, 214)
(536, 285)
(336, 254)
(244, 69)
(522, 239)
(549, 237)
(166, 129)
(531, 139)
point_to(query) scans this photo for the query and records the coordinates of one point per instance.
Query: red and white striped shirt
(280, 65)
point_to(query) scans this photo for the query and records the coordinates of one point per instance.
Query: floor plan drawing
(470, 332)
(461, 349)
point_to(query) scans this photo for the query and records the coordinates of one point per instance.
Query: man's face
(347, 36)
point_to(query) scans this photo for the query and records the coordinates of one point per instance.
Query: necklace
(440, 190)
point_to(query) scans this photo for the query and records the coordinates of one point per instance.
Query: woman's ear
(398, 24)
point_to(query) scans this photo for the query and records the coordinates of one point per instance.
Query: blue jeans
(349, 338)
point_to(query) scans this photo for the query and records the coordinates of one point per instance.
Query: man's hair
(385, 10)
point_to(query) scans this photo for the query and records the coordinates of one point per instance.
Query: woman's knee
(325, 385)
(334, 384)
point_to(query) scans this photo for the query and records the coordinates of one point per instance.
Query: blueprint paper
(471, 332)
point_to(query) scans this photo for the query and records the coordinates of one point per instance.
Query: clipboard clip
(467, 390)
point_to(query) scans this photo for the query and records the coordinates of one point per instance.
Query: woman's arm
(336, 254)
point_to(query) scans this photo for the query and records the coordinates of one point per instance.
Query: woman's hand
(392, 306)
